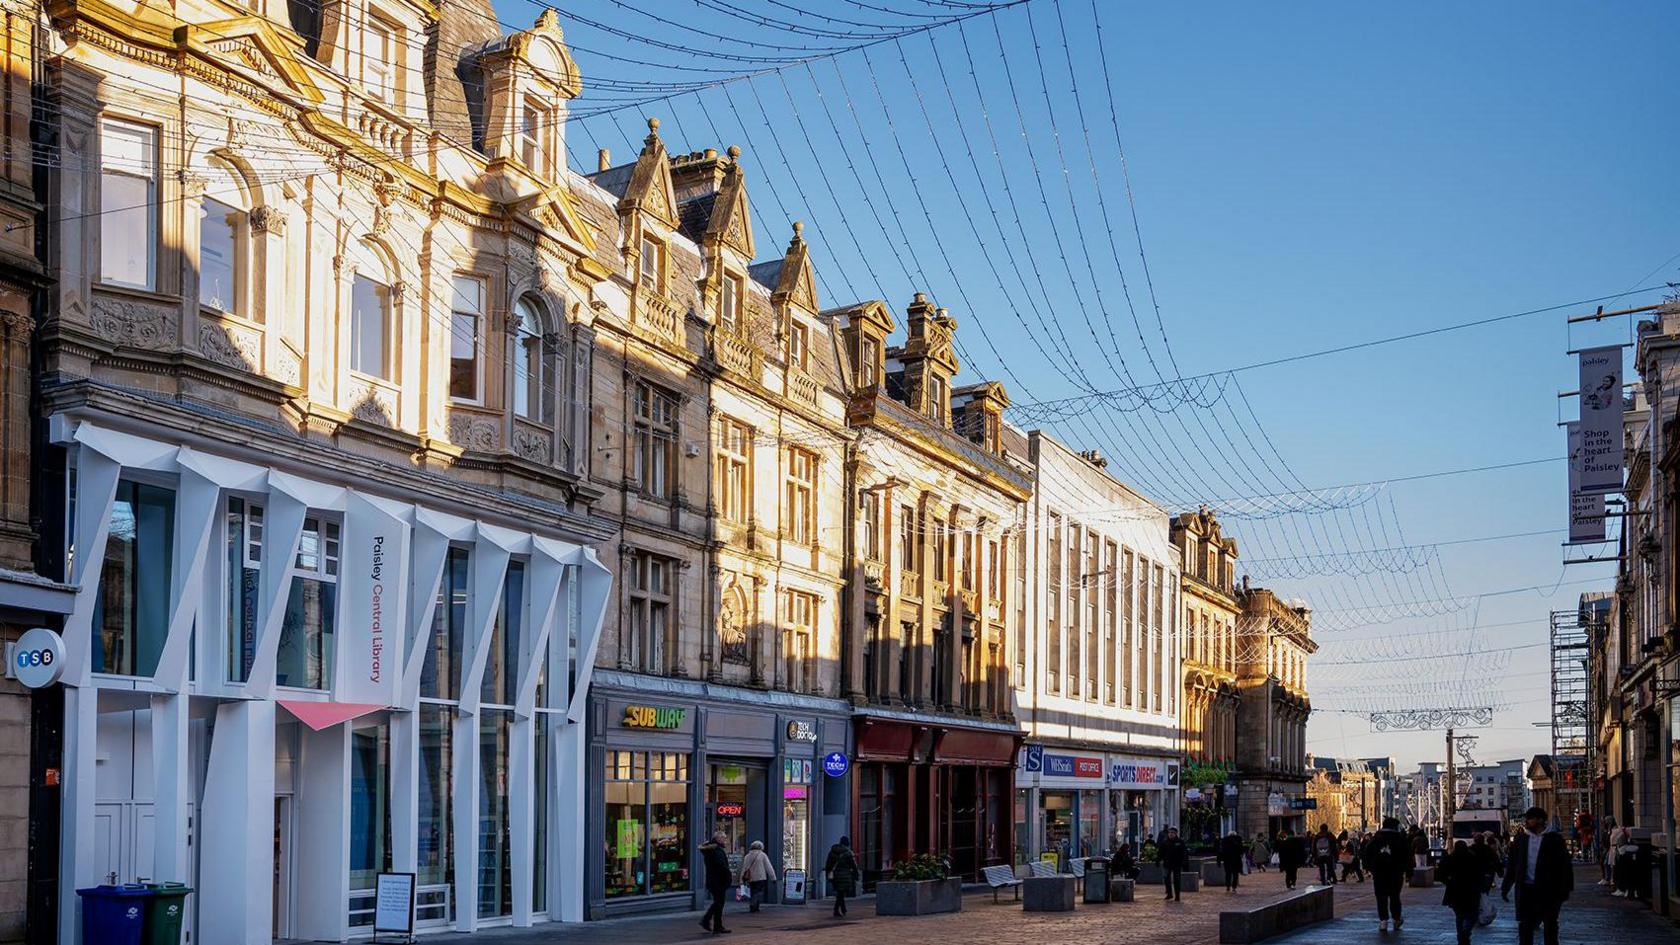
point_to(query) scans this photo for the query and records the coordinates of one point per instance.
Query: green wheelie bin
(166, 908)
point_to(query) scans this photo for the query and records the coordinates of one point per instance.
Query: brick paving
(1148, 921)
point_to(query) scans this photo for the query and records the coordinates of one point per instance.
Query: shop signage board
(1137, 774)
(835, 764)
(801, 730)
(793, 887)
(37, 658)
(731, 809)
(654, 717)
(1601, 419)
(1073, 766)
(393, 906)
(1034, 759)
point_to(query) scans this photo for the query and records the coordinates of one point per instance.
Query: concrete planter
(920, 897)
(1151, 874)
(1120, 890)
(1190, 882)
(1049, 893)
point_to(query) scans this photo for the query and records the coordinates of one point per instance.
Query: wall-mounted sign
(37, 658)
(648, 716)
(731, 809)
(835, 764)
(373, 580)
(1035, 759)
(800, 730)
(1073, 766)
(1137, 774)
(1303, 803)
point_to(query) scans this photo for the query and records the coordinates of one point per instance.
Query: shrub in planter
(919, 886)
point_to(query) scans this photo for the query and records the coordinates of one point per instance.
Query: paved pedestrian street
(1592, 917)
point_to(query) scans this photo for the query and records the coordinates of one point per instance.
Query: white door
(283, 866)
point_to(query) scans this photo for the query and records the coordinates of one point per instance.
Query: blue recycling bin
(113, 915)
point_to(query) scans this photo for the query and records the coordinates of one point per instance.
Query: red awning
(320, 715)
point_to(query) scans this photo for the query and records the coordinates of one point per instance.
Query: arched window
(531, 380)
(224, 245)
(371, 340)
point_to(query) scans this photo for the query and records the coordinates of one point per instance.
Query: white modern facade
(1097, 670)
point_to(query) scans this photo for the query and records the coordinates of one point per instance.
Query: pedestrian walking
(757, 873)
(1231, 855)
(1540, 870)
(1324, 855)
(1488, 855)
(1607, 862)
(1460, 872)
(1260, 852)
(1175, 858)
(1290, 853)
(1623, 852)
(1349, 856)
(1389, 855)
(1420, 845)
(842, 871)
(715, 858)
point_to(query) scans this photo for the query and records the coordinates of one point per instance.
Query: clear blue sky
(1306, 175)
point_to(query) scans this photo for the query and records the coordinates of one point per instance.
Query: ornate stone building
(931, 611)
(317, 356)
(1274, 641)
(1209, 716)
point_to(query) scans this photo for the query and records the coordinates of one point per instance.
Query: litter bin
(1096, 879)
(113, 915)
(165, 909)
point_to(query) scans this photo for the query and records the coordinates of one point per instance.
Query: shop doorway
(1057, 826)
(283, 866)
(737, 806)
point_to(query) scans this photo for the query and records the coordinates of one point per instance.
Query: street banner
(373, 577)
(1601, 419)
(1586, 510)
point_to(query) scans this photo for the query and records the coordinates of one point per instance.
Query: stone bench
(1308, 907)
(1422, 877)
(1048, 893)
(1151, 874)
(1121, 889)
(1190, 882)
(1212, 873)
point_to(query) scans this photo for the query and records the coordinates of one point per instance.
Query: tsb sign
(37, 658)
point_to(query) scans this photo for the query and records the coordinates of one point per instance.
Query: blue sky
(1306, 175)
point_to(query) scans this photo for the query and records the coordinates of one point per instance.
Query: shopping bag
(1274, 859)
(1488, 911)
(742, 892)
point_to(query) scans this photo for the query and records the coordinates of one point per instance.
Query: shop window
(495, 847)
(801, 496)
(655, 444)
(500, 683)
(436, 862)
(796, 813)
(370, 817)
(244, 568)
(879, 786)
(440, 675)
(131, 609)
(734, 465)
(646, 822)
(544, 788)
(224, 247)
(305, 655)
(128, 197)
(466, 319)
(651, 593)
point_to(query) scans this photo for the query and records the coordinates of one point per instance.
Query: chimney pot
(606, 159)
(709, 154)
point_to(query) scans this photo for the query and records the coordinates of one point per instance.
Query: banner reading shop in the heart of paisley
(1601, 419)
(374, 575)
(1586, 510)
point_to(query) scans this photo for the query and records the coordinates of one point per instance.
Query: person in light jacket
(758, 873)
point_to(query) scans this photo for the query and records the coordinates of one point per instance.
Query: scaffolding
(1571, 738)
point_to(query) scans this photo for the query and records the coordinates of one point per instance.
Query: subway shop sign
(655, 717)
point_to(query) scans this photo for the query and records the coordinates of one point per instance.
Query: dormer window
(869, 359)
(729, 305)
(798, 345)
(381, 58)
(533, 119)
(650, 273)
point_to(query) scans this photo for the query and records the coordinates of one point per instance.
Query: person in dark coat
(1540, 869)
(1231, 858)
(1124, 865)
(1175, 858)
(715, 857)
(1488, 856)
(842, 870)
(1290, 856)
(1461, 873)
(1323, 846)
(1388, 854)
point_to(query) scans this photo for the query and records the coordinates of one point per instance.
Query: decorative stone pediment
(730, 220)
(650, 189)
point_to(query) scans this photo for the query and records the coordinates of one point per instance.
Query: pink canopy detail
(320, 715)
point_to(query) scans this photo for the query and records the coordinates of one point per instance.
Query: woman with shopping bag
(1462, 874)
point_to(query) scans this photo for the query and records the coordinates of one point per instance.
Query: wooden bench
(1042, 869)
(1001, 877)
(1308, 907)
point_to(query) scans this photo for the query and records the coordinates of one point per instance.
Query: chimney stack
(606, 159)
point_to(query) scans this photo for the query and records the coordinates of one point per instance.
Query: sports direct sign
(1137, 773)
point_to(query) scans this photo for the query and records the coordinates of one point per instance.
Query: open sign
(731, 809)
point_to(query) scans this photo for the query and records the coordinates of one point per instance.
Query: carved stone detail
(235, 347)
(288, 369)
(534, 445)
(473, 432)
(267, 219)
(132, 323)
(373, 403)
